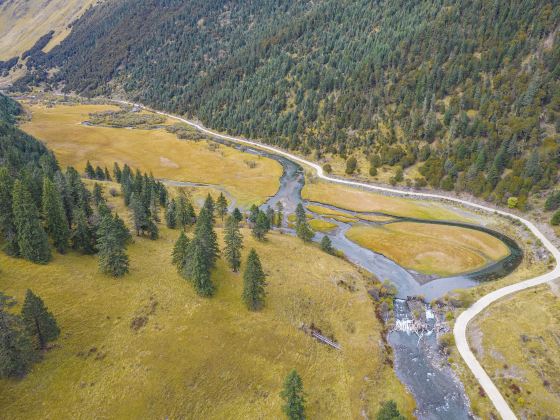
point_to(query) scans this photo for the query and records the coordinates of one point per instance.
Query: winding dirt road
(460, 329)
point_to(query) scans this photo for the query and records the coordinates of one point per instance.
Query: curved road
(460, 329)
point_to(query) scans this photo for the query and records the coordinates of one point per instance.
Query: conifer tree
(122, 232)
(171, 214)
(199, 269)
(209, 206)
(261, 226)
(253, 213)
(7, 222)
(389, 411)
(32, 240)
(112, 257)
(62, 187)
(107, 174)
(17, 352)
(221, 206)
(233, 243)
(180, 253)
(56, 224)
(293, 396)
(99, 173)
(97, 194)
(279, 214)
(39, 322)
(206, 238)
(237, 214)
(326, 245)
(117, 173)
(253, 282)
(270, 216)
(90, 172)
(303, 231)
(185, 212)
(82, 237)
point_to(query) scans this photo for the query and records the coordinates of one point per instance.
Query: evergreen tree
(7, 222)
(303, 231)
(16, 347)
(326, 245)
(389, 411)
(555, 220)
(112, 257)
(56, 224)
(261, 226)
(237, 214)
(107, 174)
(293, 396)
(300, 214)
(171, 214)
(82, 237)
(121, 231)
(270, 216)
(62, 187)
(254, 282)
(180, 253)
(97, 194)
(209, 206)
(279, 214)
(185, 212)
(206, 238)
(32, 240)
(117, 173)
(221, 206)
(233, 243)
(39, 322)
(99, 173)
(199, 269)
(90, 172)
(253, 213)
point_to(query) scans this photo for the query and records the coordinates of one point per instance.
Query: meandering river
(438, 392)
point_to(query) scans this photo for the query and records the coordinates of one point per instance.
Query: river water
(418, 364)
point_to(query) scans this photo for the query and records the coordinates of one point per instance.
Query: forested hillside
(467, 91)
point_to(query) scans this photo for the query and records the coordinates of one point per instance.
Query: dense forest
(467, 91)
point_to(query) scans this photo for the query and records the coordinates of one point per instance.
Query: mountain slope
(466, 92)
(23, 22)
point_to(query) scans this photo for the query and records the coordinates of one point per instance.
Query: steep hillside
(466, 94)
(23, 22)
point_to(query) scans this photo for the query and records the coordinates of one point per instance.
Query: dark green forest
(468, 91)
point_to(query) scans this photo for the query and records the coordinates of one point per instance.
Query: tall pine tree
(7, 222)
(40, 323)
(112, 257)
(293, 396)
(54, 215)
(32, 240)
(180, 253)
(221, 206)
(254, 282)
(17, 352)
(233, 243)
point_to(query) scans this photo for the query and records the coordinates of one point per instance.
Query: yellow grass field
(358, 200)
(517, 341)
(23, 22)
(196, 357)
(319, 225)
(151, 150)
(430, 249)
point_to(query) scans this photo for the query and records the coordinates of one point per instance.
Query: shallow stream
(418, 363)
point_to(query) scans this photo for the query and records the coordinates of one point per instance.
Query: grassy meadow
(517, 340)
(147, 346)
(355, 199)
(428, 248)
(248, 178)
